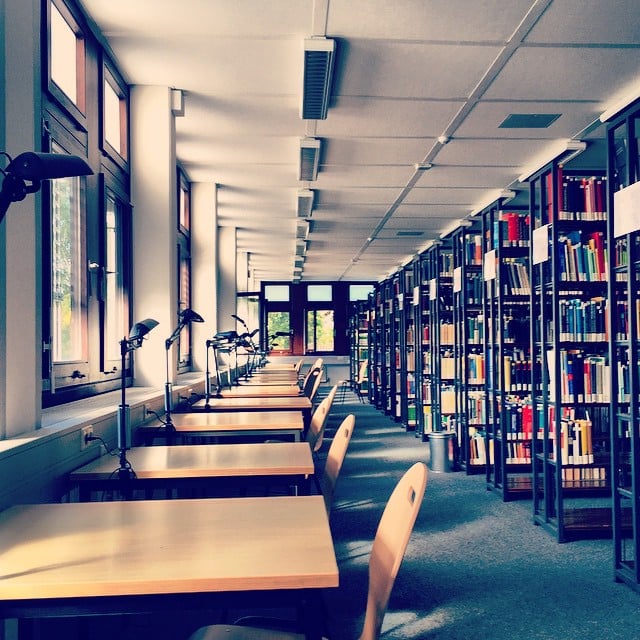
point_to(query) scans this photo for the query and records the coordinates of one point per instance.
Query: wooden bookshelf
(570, 344)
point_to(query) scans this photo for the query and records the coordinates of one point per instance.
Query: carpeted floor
(475, 567)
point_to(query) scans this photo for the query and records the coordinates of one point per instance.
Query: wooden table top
(268, 403)
(152, 547)
(261, 391)
(275, 380)
(206, 460)
(239, 420)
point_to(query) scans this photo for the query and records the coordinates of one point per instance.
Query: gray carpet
(475, 567)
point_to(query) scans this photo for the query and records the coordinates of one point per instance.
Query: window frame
(109, 75)
(75, 110)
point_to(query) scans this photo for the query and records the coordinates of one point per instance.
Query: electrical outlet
(86, 432)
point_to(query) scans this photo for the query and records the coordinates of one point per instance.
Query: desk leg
(312, 616)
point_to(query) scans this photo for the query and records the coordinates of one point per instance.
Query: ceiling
(415, 83)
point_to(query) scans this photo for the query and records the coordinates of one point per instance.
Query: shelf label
(626, 210)
(416, 295)
(541, 244)
(489, 265)
(433, 289)
(457, 279)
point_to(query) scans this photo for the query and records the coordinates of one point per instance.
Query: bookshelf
(377, 349)
(439, 276)
(623, 175)
(468, 347)
(570, 361)
(422, 324)
(359, 314)
(507, 352)
(407, 388)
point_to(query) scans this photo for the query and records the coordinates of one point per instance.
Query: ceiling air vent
(409, 234)
(529, 120)
(305, 203)
(318, 69)
(309, 159)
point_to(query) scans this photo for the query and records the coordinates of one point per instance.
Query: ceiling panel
(407, 73)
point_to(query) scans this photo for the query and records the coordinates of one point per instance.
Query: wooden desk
(273, 379)
(237, 424)
(261, 391)
(206, 468)
(166, 555)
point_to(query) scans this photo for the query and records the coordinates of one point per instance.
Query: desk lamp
(24, 174)
(184, 318)
(127, 345)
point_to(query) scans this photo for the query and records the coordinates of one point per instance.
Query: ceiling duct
(319, 54)
(305, 203)
(309, 159)
(298, 262)
(301, 248)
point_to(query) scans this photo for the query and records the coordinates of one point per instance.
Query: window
(320, 333)
(276, 292)
(359, 292)
(184, 268)
(279, 322)
(67, 258)
(319, 293)
(66, 58)
(114, 114)
(114, 284)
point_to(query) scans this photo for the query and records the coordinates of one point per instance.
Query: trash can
(441, 450)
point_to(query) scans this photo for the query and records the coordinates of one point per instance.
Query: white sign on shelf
(433, 289)
(541, 244)
(489, 265)
(626, 210)
(457, 279)
(416, 295)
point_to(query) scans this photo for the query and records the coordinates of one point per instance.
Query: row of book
(584, 378)
(579, 198)
(582, 256)
(583, 320)
(518, 418)
(515, 277)
(475, 328)
(473, 249)
(623, 318)
(511, 229)
(517, 371)
(478, 448)
(475, 368)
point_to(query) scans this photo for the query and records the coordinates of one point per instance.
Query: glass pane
(114, 287)
(620, 177)
(183, 207)
(359, 291)
(63, 55)
(319, 293)
(66, 266)
(279, 322)
(184, 344)
(112, 123)
(320, 330)
(277, 292)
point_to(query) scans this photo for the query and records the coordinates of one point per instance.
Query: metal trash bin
(441, 451)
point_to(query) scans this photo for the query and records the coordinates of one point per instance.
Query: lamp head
(189, 315)
(24, 174)
(138, 333)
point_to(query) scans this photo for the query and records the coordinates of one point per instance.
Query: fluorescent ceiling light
(309, 159)
(503, 195)
(318, 70)
(302, 229)
(305, 203)
(563, 151)
(456, 224)
(621, 103)
(301, 247)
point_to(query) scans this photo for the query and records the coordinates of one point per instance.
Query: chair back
(362, 372)
(390, 544)
(297, 366)
(315, 433)
(311, 383)
(335, 458)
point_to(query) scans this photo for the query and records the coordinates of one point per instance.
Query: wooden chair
(335, 458)
(357, 384)
(315, 433)
(389, 546)
(312, 383)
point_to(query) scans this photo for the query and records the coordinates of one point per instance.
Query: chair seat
(231, 632)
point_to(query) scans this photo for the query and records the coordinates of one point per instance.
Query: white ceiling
(407, 73)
